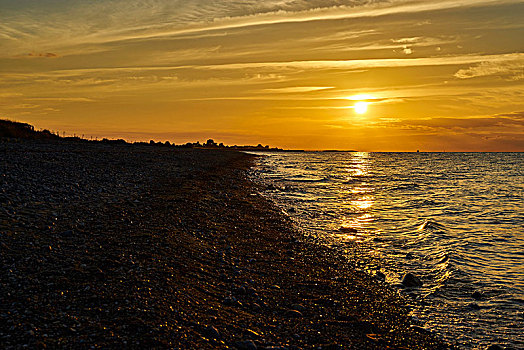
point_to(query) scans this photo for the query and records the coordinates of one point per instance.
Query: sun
(361, 102)
(361, 107)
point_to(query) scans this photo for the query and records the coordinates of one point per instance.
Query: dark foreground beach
(117, 246)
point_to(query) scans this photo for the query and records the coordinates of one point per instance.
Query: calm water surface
(455, 220)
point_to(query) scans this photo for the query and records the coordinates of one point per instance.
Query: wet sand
(117, 246)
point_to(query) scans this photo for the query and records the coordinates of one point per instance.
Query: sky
(369, 75)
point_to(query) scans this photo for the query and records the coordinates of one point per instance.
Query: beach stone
(494, 347)
(67, 234)
(298, 307)
(294, 313)
(231, 301)
(239, 290)
(410, 280)
(245, 345)
(211, 332)
(250, 334)
(420, 329)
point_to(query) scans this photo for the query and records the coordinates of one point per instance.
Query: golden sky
(370, 75)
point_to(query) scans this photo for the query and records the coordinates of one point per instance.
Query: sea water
(454, 220)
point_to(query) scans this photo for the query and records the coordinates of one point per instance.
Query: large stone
(245, 345)
(298, 307)
(410, 280)
(211, 332)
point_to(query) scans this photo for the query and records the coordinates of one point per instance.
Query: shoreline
(132, 246)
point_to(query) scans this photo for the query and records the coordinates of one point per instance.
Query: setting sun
(361, 107)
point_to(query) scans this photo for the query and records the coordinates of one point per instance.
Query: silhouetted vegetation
(11, 129)
(18, 130)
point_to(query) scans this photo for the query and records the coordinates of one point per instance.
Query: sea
(453, 220)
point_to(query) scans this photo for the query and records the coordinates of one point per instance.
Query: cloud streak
(297, 89)
(375, 63)
(511, 69)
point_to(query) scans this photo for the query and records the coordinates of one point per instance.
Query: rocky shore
(126, 246)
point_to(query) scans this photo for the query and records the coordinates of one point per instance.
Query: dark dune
(132, 246)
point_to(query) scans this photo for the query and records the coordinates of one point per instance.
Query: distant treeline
(17, 130)
(24, 131)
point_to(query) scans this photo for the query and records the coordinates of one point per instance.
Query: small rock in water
(477, 295)
(347, 229)
(494, 347)
(380, 275)
(474, 306)
(443, 260)
(245, 345)
(410, 280)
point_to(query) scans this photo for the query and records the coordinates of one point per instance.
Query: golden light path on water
(449, 218)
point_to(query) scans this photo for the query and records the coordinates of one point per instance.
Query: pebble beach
(136, 246)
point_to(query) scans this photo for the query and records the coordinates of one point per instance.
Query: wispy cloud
(10, 94)
(512, 69)
(62, 99)
(487, 124)
(374, 63)
(297, 89)
(22, 106)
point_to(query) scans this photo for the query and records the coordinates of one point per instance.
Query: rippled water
(455, 220)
